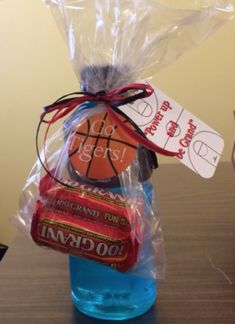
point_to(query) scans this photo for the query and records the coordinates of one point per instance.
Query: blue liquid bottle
(102, 292)
(98, 290)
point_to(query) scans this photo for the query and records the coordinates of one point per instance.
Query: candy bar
(109, 208)
(82, 237)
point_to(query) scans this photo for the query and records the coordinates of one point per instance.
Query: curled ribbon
(112, 100)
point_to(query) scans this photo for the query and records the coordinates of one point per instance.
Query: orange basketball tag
(100, 149)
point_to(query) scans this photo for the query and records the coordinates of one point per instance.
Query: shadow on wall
(3, 250)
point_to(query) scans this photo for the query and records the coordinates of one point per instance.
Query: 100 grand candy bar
(89, 222)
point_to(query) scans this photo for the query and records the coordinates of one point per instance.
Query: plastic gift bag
(90, 193)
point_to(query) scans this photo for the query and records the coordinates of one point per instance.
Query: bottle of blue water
(98, 290)
(102, 292)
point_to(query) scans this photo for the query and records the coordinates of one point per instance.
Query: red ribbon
(111, 100)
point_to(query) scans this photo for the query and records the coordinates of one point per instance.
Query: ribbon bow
(112, 100)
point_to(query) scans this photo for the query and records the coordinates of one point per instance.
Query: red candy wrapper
(91, 202)
(89, 222)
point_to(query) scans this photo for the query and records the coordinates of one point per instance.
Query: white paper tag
(167, 124)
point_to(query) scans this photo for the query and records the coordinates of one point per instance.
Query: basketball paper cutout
(99, 149)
